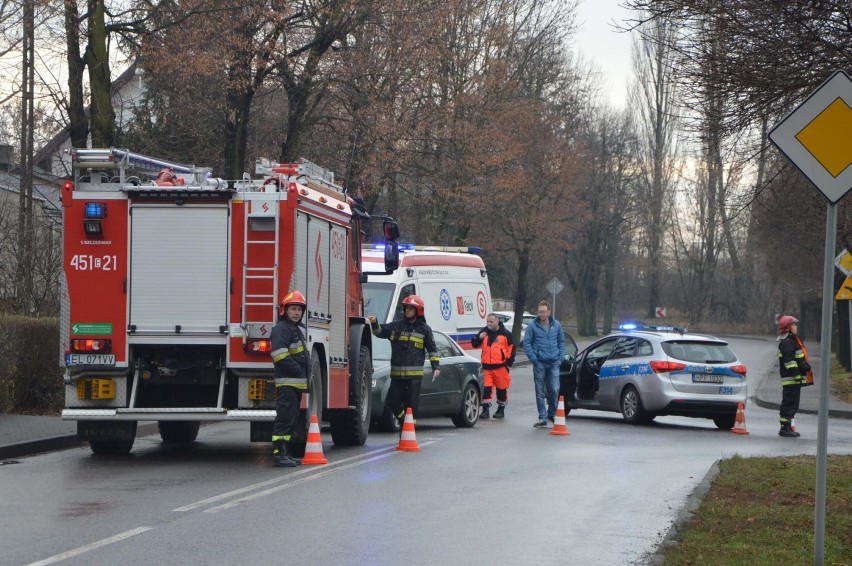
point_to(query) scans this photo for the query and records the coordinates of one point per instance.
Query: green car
(457, 393)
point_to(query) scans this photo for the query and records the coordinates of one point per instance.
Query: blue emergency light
(93, 213)
(402, 247)
(95, 210)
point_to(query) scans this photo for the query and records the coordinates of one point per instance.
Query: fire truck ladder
(262, 206)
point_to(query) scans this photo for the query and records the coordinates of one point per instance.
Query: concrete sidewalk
(766, 391)
(21, 435)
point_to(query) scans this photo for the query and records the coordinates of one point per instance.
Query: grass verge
(841, 380)
(761, 511)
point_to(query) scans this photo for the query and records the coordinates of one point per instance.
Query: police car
(647, 371)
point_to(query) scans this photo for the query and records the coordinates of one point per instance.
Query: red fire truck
(170, 287)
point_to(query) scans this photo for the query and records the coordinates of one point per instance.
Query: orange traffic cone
(313, 448)
(739, 423)
(559, 421)
(407, 440)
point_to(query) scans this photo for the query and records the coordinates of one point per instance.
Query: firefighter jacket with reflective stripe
(791, 362)
(410, 343)
(498, 348)
(290, 355)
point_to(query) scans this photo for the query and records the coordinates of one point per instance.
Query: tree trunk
(521, 290)
(97, 60)
(78, 124)
(238, 110)
(299, 91)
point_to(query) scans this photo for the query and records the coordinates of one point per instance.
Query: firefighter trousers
(288, 400)
(790, 396)
(404, 392)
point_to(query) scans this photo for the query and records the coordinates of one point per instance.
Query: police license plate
(707, 378)
(90, 359)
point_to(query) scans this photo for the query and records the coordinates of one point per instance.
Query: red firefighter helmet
(292, 298)
(785, 323)
(414, 301)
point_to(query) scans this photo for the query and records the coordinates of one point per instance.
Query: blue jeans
(546, 378)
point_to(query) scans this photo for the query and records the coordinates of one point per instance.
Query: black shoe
(486, 412)
(282, 456)
(281, 461)
(787, 432)
(551, 419)
(500, 412)
(540, 424)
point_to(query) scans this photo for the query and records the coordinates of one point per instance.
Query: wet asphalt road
(500, 493)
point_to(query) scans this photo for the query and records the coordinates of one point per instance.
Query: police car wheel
(631, 407)
(725, 422)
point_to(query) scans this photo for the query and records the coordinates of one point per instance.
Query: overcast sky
(610, 50)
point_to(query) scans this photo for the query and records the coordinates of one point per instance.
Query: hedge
(30, 376)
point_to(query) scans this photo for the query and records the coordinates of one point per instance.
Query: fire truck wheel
(350, 427)
(178, 431)
(114, 447)
(469, 412)
(300, 434)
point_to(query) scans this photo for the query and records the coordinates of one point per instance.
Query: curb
(678, 525)
(35, 446)
(63, 442)
(836, 413)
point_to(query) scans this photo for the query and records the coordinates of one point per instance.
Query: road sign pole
(825, 371)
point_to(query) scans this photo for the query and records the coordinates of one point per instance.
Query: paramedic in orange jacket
(498, 355)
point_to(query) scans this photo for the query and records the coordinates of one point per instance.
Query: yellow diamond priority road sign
(817, 137)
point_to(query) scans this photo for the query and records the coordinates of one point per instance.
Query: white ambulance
(452, 281)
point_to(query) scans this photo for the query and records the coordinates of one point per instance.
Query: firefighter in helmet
(498, 355)
(795, 372)
(292, 368)
(411, 342)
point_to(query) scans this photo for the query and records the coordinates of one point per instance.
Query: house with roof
(127, 92)
(51, 165)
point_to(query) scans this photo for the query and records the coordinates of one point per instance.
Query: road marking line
(303, 471)
(323, 472)
(83, 549)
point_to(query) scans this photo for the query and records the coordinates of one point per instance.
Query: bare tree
(606, 202)
(772, 53)
(654, 105)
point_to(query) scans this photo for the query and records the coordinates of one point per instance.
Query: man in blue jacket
(544, 344)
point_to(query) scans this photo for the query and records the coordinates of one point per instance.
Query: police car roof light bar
(639, 326)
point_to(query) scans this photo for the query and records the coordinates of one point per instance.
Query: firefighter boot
(486, 411)
(281, 456)
(500, 412)
(787, 430)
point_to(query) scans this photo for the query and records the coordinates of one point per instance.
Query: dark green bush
(30, 376)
